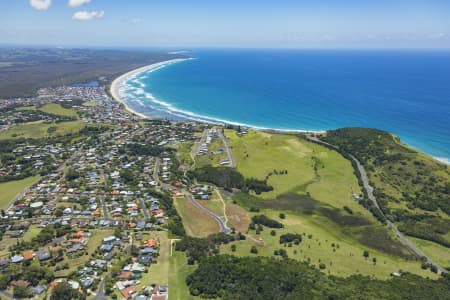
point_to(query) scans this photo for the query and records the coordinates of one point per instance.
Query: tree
(273, 233)
(254, 250)
(282, 216)
(3, 282)
(63, 291)
(366, 254)
(233, 248)
(21, 292)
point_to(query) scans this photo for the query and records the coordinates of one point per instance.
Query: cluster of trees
(143, 149)
(34, 274)
(291, 237)
(266, 221)
(229, 277)
(197, 248)
(229, 178)
(425, 227)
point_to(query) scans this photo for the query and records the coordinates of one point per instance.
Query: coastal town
(95, 208)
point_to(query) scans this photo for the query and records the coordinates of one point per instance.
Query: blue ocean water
(404, 92)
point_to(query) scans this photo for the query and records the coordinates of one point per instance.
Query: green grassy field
(311, 168)
(33, 230)
(57, 109)
(310, 179)
(196, 222)
(343, 260)
(179, 270)
(39, 129)
(11, 188)
(438, 253)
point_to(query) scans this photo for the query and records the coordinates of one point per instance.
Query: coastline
(179, 115)
(188, 116)
(117, 82)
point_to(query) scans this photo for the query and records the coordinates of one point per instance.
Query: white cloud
(88, 15)
(136, 20)
(40, 4)
(76, 3)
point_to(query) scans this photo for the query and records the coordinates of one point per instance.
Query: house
(17, 259)
(109, 239)
(28, 255)
(151, 243)
(87, 282)
(140, 225)
(39, 289)
(145, 259)
(15, 234)
(4, 262)
(147, 250)
(75, 248)
(99, 263)
(108, 256)
(20, 283)
(125, 275)
(128, 292)
(107, 247)
(135, 267)
(43, 255)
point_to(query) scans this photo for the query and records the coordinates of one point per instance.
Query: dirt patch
(237, 217)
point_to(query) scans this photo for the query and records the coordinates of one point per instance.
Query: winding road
(390, 225)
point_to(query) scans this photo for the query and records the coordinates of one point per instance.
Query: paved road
(390, 225)
(228, 149)
(101, 291)
(144, 209)
(156, 170)
(6, 295)
(105, 209)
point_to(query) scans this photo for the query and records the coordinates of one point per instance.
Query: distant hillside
(23, 71)
(412, 188)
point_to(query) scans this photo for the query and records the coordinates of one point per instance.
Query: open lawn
(40, 129)
(214, 204)
(57, 109)
(438, 253)
(196, 222)
(158, 273)
(318, 237)
(11, 188)
(179, 270)
(33, 231)
(295, 166)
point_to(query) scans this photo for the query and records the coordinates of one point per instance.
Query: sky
(227, 23)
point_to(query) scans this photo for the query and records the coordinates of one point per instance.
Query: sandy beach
(115, 85)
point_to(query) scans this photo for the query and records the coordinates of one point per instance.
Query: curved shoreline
(189, 116)
(116, 83)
